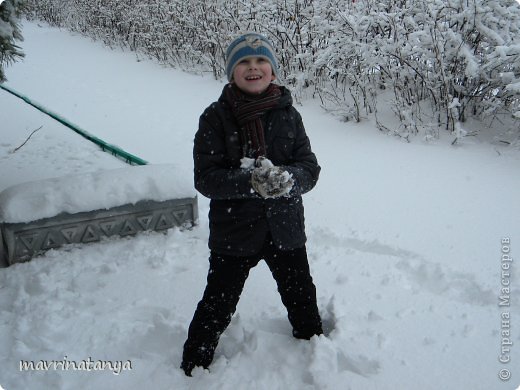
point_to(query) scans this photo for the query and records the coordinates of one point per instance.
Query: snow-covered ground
(405, 244)
(52, 150)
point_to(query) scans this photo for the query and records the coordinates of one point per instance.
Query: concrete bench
(81, 209)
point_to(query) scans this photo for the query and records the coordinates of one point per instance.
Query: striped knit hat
(249, 45)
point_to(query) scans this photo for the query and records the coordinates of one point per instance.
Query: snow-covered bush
(442, 50)
(352, 55)
(9, 33)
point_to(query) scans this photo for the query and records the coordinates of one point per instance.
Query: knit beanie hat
(249, 45)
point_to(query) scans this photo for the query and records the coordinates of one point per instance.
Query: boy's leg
(226, 278)
(291, 271)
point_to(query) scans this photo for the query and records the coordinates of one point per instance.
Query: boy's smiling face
(253, 75)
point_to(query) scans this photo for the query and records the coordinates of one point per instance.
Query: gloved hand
(270, 181)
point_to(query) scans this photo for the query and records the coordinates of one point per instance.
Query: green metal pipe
(118, 152)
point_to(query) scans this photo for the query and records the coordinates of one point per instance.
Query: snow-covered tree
(9, 34)
(429, 55)
(435, 63)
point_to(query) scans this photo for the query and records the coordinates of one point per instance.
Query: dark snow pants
(226, 278)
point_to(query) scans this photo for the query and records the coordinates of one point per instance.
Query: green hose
(129, 158)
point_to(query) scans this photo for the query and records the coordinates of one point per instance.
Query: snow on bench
(45, 214)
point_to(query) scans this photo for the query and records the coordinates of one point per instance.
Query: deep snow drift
(405, 245)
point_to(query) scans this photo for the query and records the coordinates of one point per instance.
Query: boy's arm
(304, 165)
(214, 177)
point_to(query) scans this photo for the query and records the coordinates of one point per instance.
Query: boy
(253, 160)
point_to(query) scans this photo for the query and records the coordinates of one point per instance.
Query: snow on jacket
(239, 219)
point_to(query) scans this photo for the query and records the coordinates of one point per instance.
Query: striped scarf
(248, 110)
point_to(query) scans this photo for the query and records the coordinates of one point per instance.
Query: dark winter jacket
(240, 219)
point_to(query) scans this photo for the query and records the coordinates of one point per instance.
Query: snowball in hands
(269, 180)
